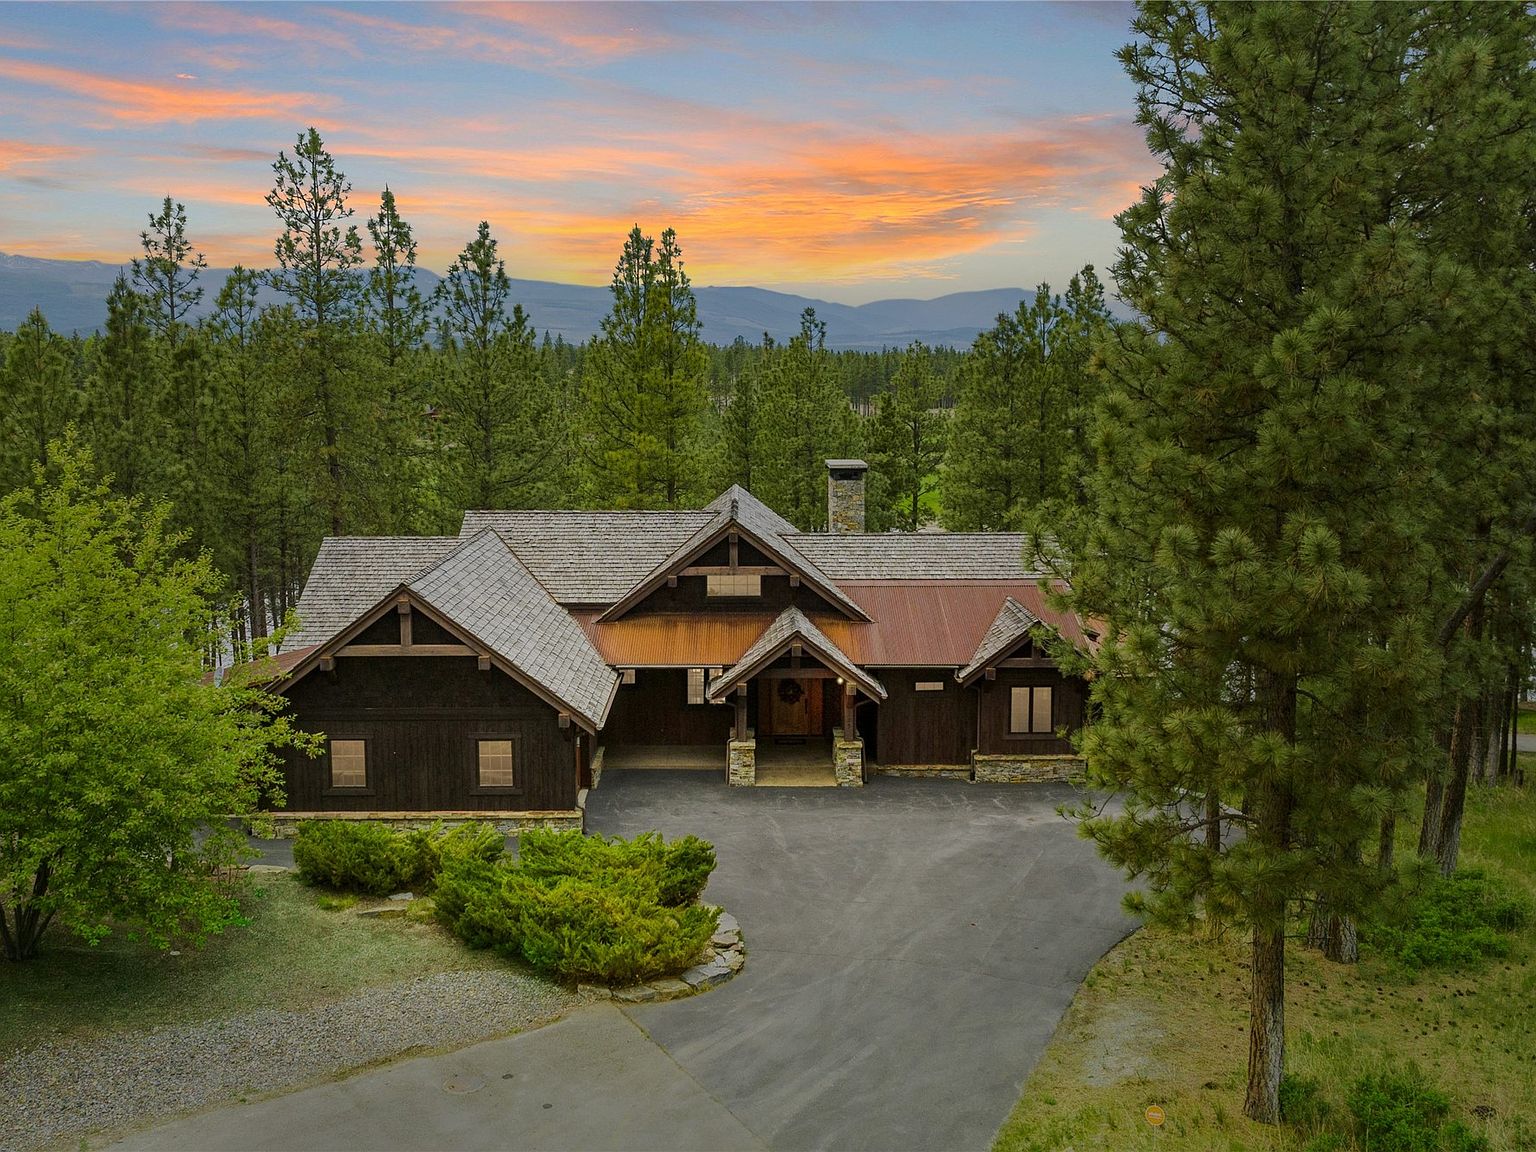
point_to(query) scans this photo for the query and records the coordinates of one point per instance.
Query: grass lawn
(1525, 721)
(295, 953)
(1163, 1020)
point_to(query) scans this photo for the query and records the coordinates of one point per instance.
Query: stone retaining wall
(1025, 769)
(284, 825)
(741, 762)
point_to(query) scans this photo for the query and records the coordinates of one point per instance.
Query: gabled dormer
(736, 561)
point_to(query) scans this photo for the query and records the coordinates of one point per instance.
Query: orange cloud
(149, 103)
(21, 157)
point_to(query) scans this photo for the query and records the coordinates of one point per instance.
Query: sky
(846, 151)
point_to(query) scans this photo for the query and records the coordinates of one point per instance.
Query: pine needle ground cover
(295, 953)
(1162, 1020)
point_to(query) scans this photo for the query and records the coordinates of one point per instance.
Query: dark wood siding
(655, 710)
(924, 727)
(692, 596)
(421, 717)
(994, 737)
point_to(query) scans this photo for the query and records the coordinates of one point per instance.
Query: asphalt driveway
(911, 947)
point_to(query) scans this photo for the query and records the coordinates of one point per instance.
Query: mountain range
(72, 295)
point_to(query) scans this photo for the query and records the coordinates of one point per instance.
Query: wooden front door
(791, 705)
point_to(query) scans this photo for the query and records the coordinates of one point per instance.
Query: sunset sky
(846, 151)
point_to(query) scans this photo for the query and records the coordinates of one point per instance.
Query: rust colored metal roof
(924, 623)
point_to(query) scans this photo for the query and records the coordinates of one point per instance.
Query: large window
(349, 764)
(734, 584)
(1030, 710)
(494, 764)
(695, 685)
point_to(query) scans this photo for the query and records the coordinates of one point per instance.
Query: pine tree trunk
(1266, 1025)
(1386, 843)
(1447, 843)
(1213, 822)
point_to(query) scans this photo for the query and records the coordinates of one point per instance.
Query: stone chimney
(845, 495)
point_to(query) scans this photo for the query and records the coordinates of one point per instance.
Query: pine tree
(38, 399)
(739, 417)
(318, 253)
(124, 405)
(643, 379)
(396, 317)
(906, 445)
(495, 415)
(1256, 535)
(805, 419)
(167, 274)
(1018, 435)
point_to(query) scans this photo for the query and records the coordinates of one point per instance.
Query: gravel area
(65, 1090)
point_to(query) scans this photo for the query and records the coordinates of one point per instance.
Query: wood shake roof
(534, 586)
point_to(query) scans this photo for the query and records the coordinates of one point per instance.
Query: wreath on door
(790, 691)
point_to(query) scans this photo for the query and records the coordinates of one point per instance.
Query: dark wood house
(501, 671)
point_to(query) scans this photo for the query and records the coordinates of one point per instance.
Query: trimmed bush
(585, 908)
(1451, 922)
(362, 856)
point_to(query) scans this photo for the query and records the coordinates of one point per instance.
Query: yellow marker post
(1155, 1115)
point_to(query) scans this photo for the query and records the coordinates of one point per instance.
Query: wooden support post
(794, 655)
(850, 699)
(735, 551)
(741, 713)
(403, 606)
(484, 663)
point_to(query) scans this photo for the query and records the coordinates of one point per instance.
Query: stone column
(847, 760)
(741, 762)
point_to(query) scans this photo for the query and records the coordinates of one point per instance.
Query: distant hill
(73, 295)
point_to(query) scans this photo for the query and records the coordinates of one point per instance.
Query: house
(499, 672)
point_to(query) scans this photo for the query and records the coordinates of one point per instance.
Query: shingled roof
(352, 573)
(484, 590)
(589, 557)
(736, 506)
(792, 625)
(915, 555)
(1012, 624)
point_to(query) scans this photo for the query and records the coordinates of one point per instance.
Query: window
(495, 764)
(349, 764)
(1030, 710)
(928, 686)
(695, 685)
(734, 584)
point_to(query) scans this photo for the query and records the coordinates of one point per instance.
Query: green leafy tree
(495, 415)
(643, 380)
(318, 254)
(117, 752)
(804, 419)
(1257, 536)
(906, 445)
(39, 398)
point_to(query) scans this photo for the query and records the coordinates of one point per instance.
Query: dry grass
(1163, 1020)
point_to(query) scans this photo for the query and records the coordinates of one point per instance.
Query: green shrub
(1302, 1104)
(353, 855)
(1399, 1110)
(584, 908)
(362, 856)
(1451, 922)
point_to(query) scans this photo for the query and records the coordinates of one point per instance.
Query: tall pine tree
(906, 445)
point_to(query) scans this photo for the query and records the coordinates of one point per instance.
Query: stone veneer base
(925, 771)
(741, 763)
(992, 769)
(285, 824)
(847, 760)
(597, 764)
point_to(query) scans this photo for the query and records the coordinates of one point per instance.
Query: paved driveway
(911, 947)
